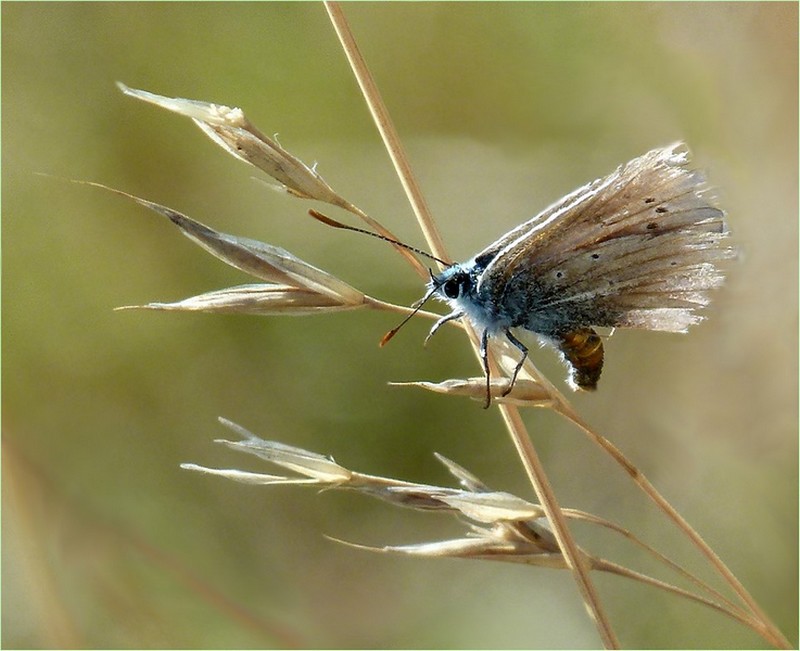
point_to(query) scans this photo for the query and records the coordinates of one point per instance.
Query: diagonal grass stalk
(510, 414)
(561, 405)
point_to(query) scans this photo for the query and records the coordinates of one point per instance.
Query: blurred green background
(503, 108)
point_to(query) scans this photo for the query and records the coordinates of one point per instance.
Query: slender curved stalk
(614, 568)
(761, 623)
(510, 414)
(386, 128)
(377, 304)
(721, 599)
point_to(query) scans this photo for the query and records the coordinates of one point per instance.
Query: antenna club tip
(387, 338)
(325, 219)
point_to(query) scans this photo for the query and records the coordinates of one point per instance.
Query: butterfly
(635, 249)
(638, 248)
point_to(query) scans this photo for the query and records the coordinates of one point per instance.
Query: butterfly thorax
(458, 285)
(516, 302)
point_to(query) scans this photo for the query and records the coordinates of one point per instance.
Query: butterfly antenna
(332, 222)
(388, 336)
(329, 221)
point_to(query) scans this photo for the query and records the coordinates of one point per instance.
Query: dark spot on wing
(661, 209)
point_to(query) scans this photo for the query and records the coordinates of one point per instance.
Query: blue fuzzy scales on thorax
(482, 308)
(520, 300)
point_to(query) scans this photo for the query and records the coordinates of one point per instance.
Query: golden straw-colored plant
(501, 526)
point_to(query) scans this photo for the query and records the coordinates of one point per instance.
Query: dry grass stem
(383, 122)
(502, 526)
(527, 453)
(295, 287)
(760, 622)
(510, 414)
(230, 129)
(524, 393)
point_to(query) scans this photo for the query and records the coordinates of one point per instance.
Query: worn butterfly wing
(635, 249)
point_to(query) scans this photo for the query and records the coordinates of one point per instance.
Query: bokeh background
(503, 108)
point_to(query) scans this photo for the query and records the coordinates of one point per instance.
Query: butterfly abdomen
(583, 351)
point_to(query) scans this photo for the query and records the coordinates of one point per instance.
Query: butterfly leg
(485, 359)
(450, 317)
(524, 350)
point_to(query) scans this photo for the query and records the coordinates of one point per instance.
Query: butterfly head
(459, 286)
(452, 284)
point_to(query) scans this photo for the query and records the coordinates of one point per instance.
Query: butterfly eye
(451, 288)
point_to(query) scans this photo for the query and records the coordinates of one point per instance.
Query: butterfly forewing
(634, 249)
